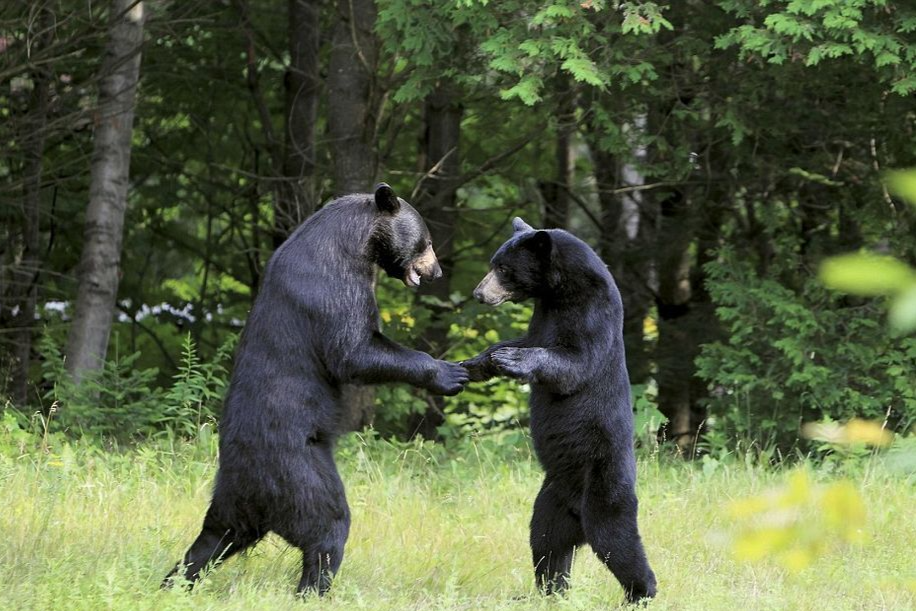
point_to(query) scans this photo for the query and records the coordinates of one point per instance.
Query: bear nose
(478, 295)
(437, 271)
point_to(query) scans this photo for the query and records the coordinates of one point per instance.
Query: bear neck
(338, 236)
(575, 280)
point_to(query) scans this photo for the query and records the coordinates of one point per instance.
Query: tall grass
(432, 529)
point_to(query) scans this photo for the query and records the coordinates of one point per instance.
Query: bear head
(400, 243)
(521, 267)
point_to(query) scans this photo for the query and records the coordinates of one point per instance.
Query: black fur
(313, 328)
(581, 417)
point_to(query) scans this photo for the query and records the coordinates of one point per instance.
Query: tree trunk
(99, 266)
(351, 123)
(556, 193)
(436, 202)
(627, 245)
(24, 278)
(675, 351)
(351, 120)
(297, 194)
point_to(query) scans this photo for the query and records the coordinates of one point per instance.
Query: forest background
(715, 154)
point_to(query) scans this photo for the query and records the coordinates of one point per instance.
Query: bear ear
(540, 244)
(520, 226)
(385, 199)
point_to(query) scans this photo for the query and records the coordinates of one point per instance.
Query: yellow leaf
(649, 327)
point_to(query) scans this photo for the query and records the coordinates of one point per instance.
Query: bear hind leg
(555, 534)
(609, 521)
(214, 544)
(321, 560)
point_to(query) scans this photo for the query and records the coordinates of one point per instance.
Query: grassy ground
(82, 529)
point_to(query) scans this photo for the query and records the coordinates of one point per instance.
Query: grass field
(83, 529)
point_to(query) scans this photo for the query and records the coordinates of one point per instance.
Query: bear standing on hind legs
(581, 418)
(313, 328)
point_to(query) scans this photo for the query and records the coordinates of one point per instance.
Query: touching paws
(477, 368)
(516, 362)
(450, 378)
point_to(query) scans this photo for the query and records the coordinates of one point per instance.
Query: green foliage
(795, 355)
(868, 31)
(196, 391)
(497, 407)
(647, 420)
(120, 402)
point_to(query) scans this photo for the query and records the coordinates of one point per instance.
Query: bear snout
(436, 272)
(427, 265)
(490, 290)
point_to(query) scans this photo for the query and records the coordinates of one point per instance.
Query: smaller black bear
(313, 328)
(581, 418)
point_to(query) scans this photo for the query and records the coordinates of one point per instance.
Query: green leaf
(583, 70)
(527, 90)
(866, 274)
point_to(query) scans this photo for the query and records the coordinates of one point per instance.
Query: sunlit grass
(431, 530)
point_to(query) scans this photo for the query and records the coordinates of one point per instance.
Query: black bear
(581, 417)
(313, 328)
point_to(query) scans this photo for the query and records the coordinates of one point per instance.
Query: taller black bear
(313, 327)
(581, 419)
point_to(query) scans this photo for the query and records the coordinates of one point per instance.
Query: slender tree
(100, 262)
(302, 85)
(436, 202)
(24, 278)
(557, 193)
(351, 122)
(351, 92)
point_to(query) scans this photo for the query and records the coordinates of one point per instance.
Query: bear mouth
(412, 277)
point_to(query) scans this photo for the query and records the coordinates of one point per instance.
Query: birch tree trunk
(99, 268)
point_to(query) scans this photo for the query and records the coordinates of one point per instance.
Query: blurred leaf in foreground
(798, 522)
(855, 431)
(902, 183)
(871, 275)
(866, 274)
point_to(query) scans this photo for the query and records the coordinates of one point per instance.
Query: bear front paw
(477, 368)
(515, 362)
(450, 378)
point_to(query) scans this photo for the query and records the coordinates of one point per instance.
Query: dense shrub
(799, 353)
(121, 401)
